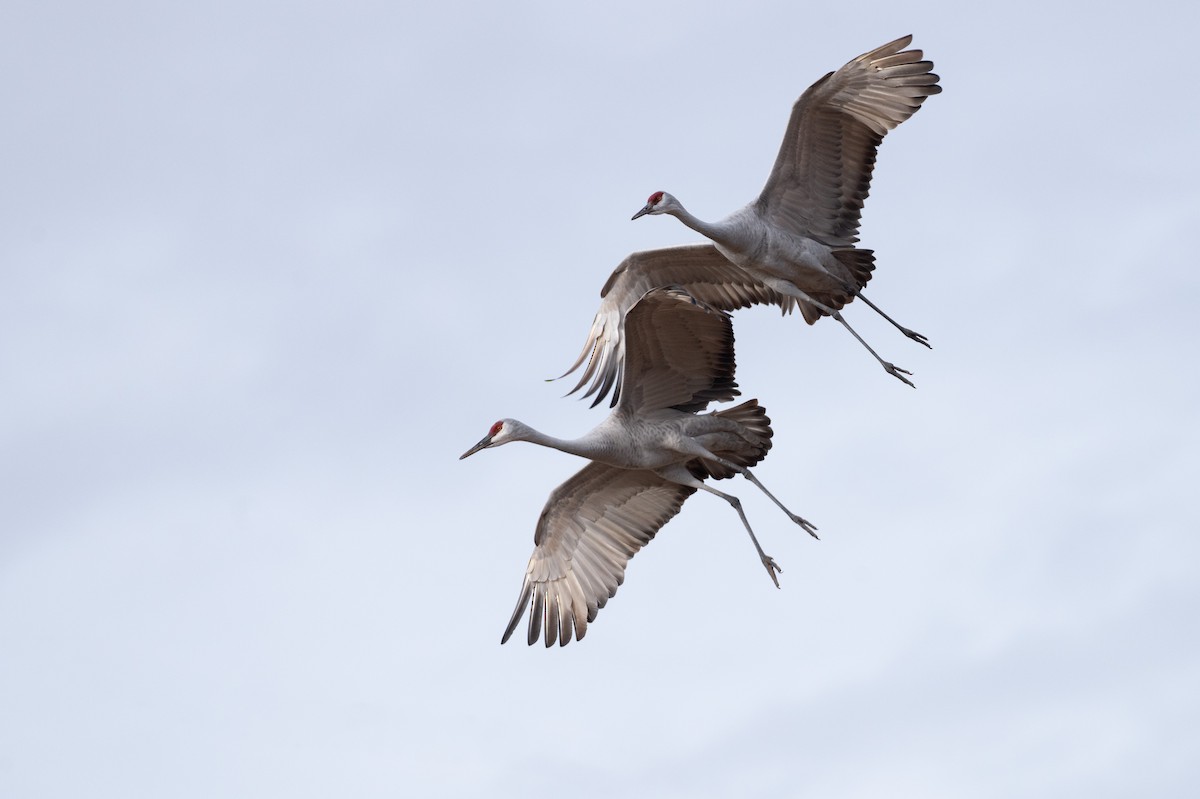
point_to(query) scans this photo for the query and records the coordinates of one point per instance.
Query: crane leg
(890, 368)
(806, 525)
(767, 561)
(914, 335)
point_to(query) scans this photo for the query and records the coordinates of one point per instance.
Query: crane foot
(898, 373)
(772, 568)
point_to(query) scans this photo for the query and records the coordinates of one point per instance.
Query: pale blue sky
(267, 269)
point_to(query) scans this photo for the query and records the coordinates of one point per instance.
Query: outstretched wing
(590, 528)
(697, 268)
(823, 172)
(678, 354)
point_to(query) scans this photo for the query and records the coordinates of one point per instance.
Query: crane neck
(710, 230)
(588, 446)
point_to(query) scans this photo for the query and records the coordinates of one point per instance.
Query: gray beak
(645, 210)
(484, 443)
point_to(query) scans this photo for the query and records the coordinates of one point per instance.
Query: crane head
(659, 203)
(500, 433)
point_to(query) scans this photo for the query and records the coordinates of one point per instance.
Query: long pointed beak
(645, 210)
(484, 443)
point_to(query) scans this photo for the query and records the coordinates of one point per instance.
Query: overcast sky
(267, 269)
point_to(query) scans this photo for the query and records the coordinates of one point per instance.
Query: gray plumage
(794, 245)
(652, 452)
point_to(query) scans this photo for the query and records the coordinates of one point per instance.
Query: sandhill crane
(649, 455)
(798, 237)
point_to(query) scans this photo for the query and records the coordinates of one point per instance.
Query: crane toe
(772, 568)
(917, 337)
(806, 525)
(898, 373)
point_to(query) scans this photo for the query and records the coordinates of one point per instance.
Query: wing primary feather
(522, 603)
(535, 615)
(552, 608)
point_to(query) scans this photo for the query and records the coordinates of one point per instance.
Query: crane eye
(655, 197)
(496, 428)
